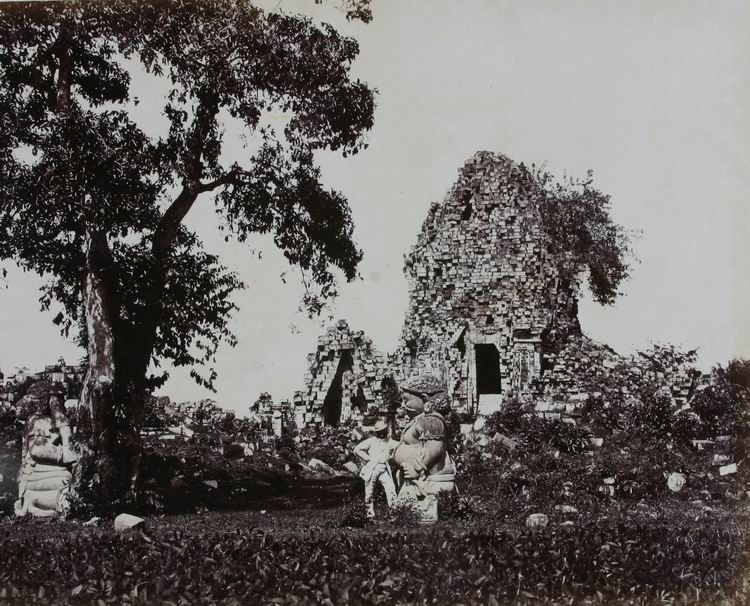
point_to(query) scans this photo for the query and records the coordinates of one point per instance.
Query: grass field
(674, 553)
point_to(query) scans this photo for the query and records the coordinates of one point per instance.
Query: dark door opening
(488, 369)
(332, 402)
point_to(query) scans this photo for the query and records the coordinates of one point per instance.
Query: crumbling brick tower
(484, 288)
(344, 377)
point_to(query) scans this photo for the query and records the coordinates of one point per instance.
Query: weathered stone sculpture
(47, 453)
(422, 454)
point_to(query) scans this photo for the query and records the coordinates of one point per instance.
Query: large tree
(97, 205)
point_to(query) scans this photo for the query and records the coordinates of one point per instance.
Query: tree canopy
(74, 161)
(577, 218)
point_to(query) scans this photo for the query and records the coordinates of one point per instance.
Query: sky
(652, 96)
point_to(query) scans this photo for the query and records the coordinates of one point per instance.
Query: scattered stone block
(566, 509)
(318, 465)
(125, 521)
(719, 459)
(702, 444)
(676, 481)
(509, 443)
(352, 467)
(537, 520)
(211, 483)
(726, 470)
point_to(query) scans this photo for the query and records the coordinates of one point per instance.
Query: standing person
(376, 451)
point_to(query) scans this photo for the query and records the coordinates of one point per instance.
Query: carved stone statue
(422, 455)
(47, 453)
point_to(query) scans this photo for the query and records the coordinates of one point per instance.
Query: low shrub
(404, 515)
(460, 507)
(233, 451)
(355, 514)
(609, 563)
(332, 445)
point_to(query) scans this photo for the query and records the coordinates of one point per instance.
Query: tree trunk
(98, 385)
(113, 394)
(111, 398)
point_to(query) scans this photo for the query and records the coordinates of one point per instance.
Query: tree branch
(174, 215)
(226, 178)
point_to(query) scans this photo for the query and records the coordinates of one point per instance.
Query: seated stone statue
(422, 454)
(47, 453)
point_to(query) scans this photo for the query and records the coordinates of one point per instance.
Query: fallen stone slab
(566, 509)
(537, 520)
(702, 444)
(352, 467)
(720, 459)
(509, 443)
(125, 521)
(676, 481)
(318, 465)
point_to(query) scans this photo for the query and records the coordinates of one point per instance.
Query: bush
(608, 414)
(332, 445)
(460, 507)
(609, 563)
(738, 372)
(233, 451)
(355, 514)
(404, 515)
(723, 407)
(653, 419)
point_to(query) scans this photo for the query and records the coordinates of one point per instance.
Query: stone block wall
(481, 276)
(344, 378)
(489, 311)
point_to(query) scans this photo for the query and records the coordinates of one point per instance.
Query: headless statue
(47, 454)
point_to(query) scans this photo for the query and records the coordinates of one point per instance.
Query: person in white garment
(375, 452)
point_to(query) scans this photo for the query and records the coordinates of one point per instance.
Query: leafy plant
(593, 562)
(404, 515)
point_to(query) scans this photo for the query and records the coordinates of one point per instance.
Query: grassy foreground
(669, 555)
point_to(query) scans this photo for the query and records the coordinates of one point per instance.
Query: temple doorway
(332, 402)
(488, 378)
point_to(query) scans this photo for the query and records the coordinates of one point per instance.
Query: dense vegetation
(623, 563)
(617, 532)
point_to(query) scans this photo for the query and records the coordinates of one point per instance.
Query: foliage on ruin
(582, 233)
(738, 372)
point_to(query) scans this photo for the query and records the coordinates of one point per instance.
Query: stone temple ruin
(485, 295)
(344, 378)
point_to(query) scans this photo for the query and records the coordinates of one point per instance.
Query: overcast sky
(652, 96)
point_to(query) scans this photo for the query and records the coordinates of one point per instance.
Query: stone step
(489, 403)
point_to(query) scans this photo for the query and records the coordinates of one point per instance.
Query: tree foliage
(577, 217)
(738, 372)
(94, 167)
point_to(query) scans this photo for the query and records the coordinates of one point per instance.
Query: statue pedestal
(425, 505)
